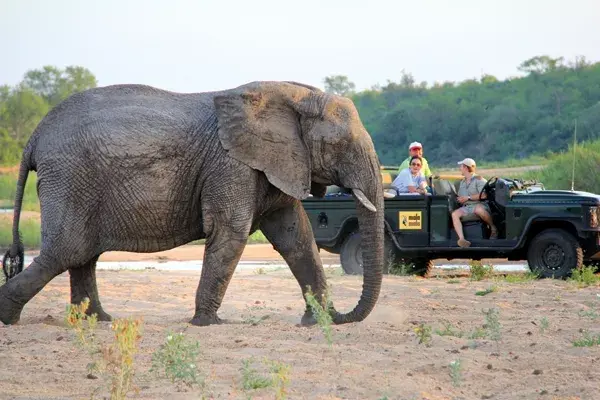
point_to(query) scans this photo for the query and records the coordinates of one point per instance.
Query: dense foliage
(584, 161)
(22, 107)
(486, 119)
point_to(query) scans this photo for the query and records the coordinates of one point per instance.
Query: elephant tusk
(363, 199)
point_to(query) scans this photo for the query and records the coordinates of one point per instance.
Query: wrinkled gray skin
(134, 168)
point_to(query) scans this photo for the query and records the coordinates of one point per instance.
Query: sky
(194, 46)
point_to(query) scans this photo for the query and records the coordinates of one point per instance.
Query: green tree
(21, 110)
(55, 85)
(339, 84)
(23, 106)
(485, 118)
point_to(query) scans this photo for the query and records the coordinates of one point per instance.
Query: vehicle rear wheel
(554, 253)
(351, 254)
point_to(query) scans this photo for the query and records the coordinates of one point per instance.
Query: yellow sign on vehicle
(410, 219)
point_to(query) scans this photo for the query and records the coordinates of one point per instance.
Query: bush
(8, 188)
(558, 173)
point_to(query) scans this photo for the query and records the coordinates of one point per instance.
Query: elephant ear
(259, 125)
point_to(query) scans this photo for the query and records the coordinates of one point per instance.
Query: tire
(554, 253)
(351, 254)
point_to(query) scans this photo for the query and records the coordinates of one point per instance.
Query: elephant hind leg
(15, 293)
(83, 285)
(289, 231)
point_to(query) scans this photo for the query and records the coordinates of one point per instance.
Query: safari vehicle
(555, 231)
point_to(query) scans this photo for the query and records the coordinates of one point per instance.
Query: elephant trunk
(371, 225)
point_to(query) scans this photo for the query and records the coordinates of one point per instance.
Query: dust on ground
(380, 358)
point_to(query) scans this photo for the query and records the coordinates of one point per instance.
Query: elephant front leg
(222, 253)
(289, 231)
(83, 285)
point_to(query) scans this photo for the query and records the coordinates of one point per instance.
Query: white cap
(415, 145)
(469, 162)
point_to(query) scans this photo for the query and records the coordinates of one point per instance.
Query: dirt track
(378, 357)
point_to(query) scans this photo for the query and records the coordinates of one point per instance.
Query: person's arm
(479, 184)
(412, 188)
(422, 188)
(425, 169)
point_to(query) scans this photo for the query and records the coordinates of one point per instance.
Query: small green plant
(423, 333)
(451, 281)
(521, 278)
(593, 314)
(176, 359)
(322, 316)
(478, 333)
(456, 372)
(584, 277)
(544, 324)
(251, 379)
(587, 340)
(119, 356)
(84, 327)
(400, 269)
(489, 290)
(280, 378)
(558, 297)
(448, 331)
(76, 315)
(492, 324)
(480, 271)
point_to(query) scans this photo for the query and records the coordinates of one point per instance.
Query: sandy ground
(378, 357)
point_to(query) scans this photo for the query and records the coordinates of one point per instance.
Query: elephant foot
(10, 311)
(101, 315)
(308, 319)
(205, 320)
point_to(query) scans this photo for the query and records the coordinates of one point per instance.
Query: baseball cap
(469, 162)
(415, 145)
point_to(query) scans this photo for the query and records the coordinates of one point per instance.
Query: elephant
(131, 167)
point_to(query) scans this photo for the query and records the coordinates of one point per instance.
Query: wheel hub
(553, 257)
(358, 256)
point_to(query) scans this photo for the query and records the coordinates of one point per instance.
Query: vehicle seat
(387, 179)
(445, 188)
(502, 193)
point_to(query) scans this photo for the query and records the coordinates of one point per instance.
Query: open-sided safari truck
(555, 231)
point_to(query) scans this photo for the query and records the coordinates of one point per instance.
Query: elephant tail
(12, 262)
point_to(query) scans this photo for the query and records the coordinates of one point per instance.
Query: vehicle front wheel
(554, 253)
(351, 254)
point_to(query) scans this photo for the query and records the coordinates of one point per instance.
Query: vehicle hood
(559, 195)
